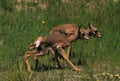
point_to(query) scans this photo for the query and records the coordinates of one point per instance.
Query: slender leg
(68, 51)
(56, 56)
(67, 59)
(36, 62)
(31, 54)
(26, 58)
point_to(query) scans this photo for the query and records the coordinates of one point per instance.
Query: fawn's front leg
(67, 59)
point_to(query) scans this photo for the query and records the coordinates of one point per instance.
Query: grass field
(20, 26)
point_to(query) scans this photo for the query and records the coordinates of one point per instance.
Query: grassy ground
(98, 57)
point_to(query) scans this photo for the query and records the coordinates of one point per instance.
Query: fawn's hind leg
(32, 54)
(36, 62)
(26, 58)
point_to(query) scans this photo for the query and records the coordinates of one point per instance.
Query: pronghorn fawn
(73, 32)
(48, 43)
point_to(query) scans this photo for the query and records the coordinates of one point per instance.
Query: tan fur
(69, 30)
(49, 43)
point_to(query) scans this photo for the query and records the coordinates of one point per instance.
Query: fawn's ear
(90, 25)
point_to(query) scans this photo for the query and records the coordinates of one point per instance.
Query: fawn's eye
(96, 31)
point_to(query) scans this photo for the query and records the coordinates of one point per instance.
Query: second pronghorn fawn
(48, 43)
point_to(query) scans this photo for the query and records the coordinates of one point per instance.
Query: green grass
(98, 57)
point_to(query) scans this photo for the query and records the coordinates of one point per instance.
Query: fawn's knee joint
(26, 56)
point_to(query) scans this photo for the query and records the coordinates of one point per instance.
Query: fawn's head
(93, 31)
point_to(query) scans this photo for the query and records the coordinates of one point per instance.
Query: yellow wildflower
(43, 22)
